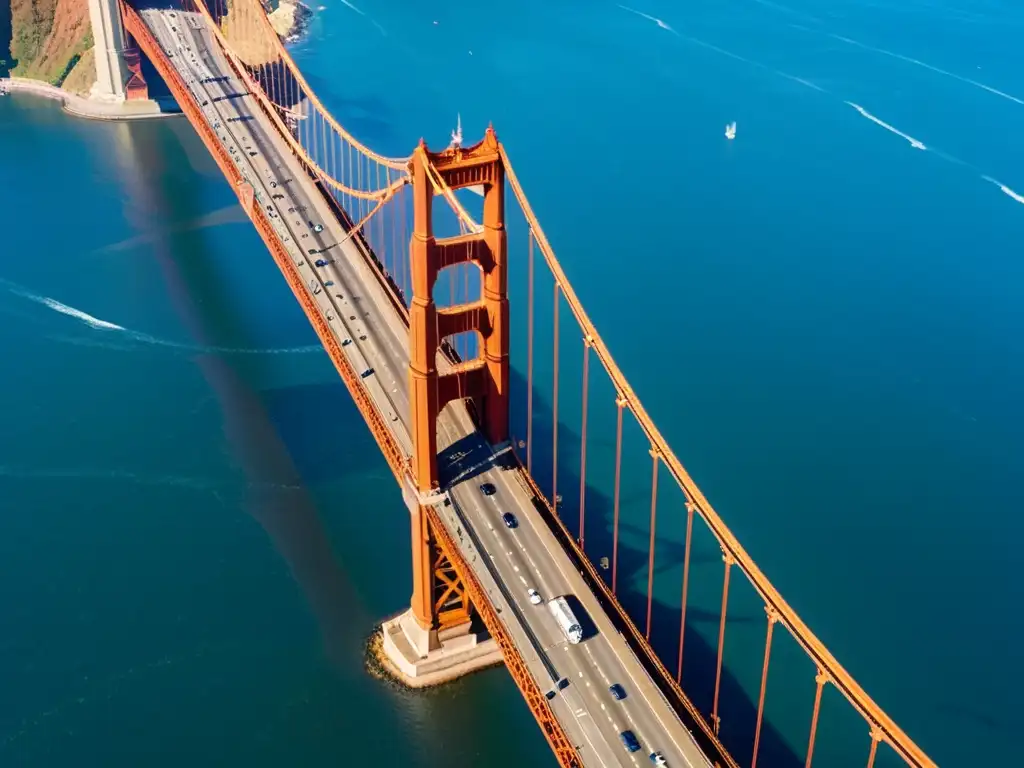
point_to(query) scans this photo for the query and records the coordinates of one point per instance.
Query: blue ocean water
(823, 317)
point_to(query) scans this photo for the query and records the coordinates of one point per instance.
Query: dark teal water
(197, 532)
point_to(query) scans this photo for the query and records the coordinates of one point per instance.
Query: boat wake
(349, 4)
(142, 338)
(929, 67)
(1005, 189)
(643, 15)
(64, 309)
(892, 129)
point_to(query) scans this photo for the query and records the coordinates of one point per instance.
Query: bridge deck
(373, 335)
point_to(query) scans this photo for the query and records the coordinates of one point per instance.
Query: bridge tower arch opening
(484, 379)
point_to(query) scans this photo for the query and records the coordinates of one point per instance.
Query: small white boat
(730, 130)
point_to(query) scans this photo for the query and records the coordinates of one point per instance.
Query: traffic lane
(389, 355)
(609, 667)
(610, 651)
(651, 730)
(519, 573)
(608, 664)
(589, 675)
(255, 140)
(568, 708)
(242, 139)
(394, 341)
(521, 633)
(294, 199)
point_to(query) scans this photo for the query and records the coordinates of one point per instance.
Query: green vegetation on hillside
(48, 37)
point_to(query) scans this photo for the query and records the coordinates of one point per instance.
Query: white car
(535, 597)
(658, 759)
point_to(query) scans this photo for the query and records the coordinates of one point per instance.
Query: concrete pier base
(420, 658)
(98, 108)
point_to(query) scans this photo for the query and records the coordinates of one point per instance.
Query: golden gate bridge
(393, 211)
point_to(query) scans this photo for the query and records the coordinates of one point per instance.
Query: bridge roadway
(506, 561)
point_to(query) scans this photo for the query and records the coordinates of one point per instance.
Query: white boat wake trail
(892, 129)
(925, 65)
(642, 15)
(1005, 189)
(365, 15)
(143, 338)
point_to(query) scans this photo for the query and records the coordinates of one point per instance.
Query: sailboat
(730, 130)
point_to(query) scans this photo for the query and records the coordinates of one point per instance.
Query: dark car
(487, 489)
(563, 683)
(510, 520)
(617, 691)
(629, 741)
(320, 262)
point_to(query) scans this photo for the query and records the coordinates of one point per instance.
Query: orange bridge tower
(436, 639)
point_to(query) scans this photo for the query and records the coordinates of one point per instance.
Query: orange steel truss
(445, 589)
(484, 379)
(461, 586)
(881, 728)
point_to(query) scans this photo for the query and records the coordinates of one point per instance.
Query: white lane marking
(623, 659)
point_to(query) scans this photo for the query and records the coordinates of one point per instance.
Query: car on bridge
(629, 741)
(487, 489)
(658, 759)
(617, 691)
(534, 595)
(510, 520)
(319, 262)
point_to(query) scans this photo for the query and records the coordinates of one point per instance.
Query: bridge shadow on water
(737, 701)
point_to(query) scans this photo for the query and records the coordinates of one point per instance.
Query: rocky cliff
(51, 40)
(47, 39)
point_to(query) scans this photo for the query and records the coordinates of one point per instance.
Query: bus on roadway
(566, 619)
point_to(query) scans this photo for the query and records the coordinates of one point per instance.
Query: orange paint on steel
(554, 413)
(892, 734)
(772, 618)
(553, 732)
(529, 361)
(650, 557)
(715, 720)
(604, 593)
(300, 82)
(875, 738)
(256, 90)
(686, 589)
(396, 458)
(583, 443)
(619, 403)
(820, 679)
(560, 744)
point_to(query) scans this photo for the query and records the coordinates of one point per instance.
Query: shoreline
(82, 106)
(293, 16)
(298, 17)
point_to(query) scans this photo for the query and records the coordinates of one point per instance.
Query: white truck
(566, 619)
